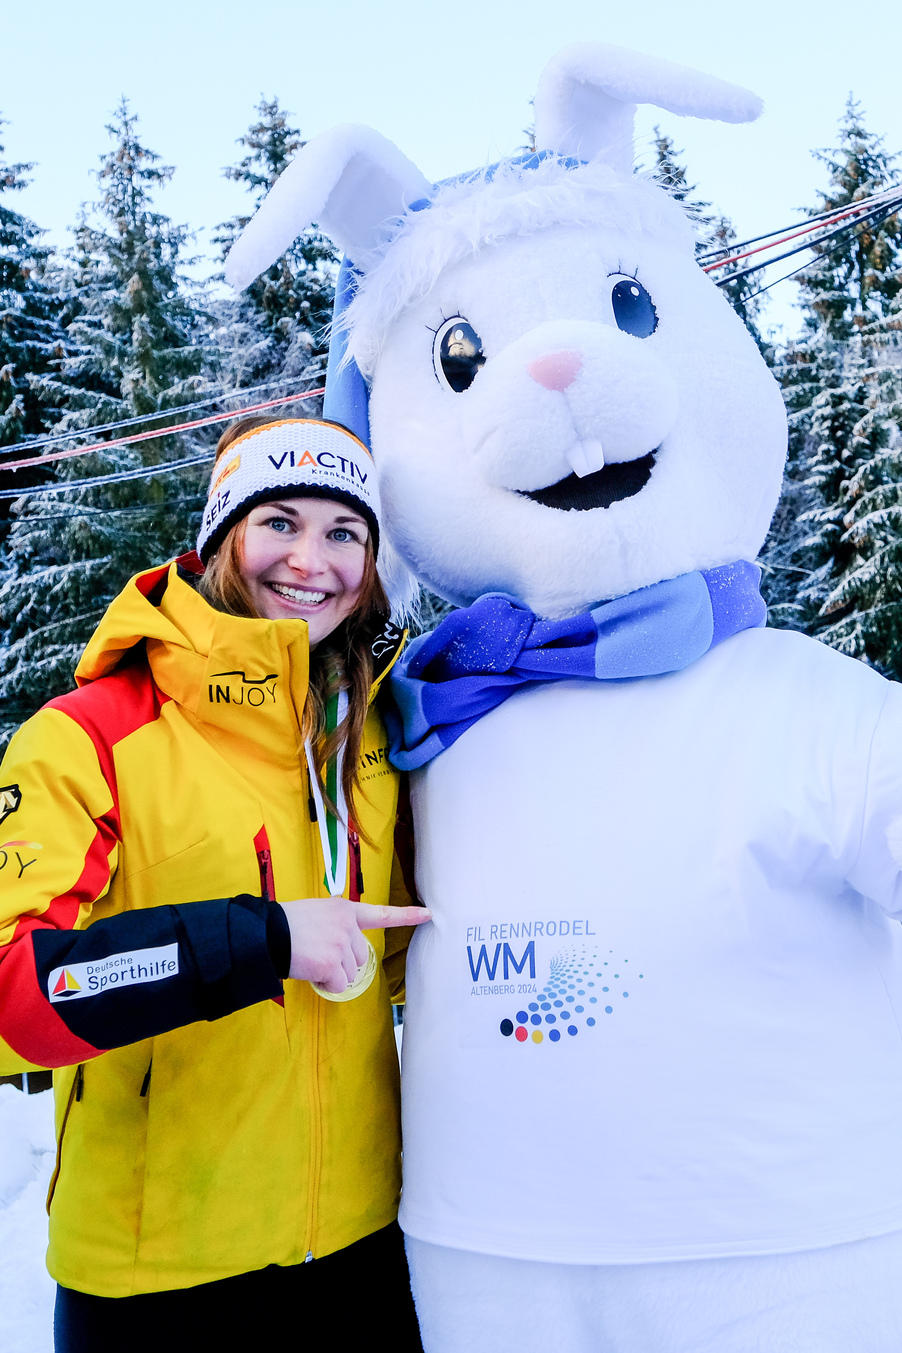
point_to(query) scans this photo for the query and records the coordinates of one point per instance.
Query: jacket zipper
(264, 859)
(314, 1094)
(75, 1094)
(267, 880)
(355, 882)
(316, 1151)
(264, 864)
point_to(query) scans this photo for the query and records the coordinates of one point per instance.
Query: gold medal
(362, 982)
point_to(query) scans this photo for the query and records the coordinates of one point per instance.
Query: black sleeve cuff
(143, 973)
(234, 960)
(278, 939)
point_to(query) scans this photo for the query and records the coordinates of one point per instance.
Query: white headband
(297, 458)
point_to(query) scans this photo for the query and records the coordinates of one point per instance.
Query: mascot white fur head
(561, 404)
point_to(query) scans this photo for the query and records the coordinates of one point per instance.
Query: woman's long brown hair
(344, 659)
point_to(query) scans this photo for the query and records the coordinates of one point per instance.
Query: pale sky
(450, 83)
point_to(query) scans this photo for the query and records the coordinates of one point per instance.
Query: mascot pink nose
(557, 370)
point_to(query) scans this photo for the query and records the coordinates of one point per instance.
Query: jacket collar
(240, 675)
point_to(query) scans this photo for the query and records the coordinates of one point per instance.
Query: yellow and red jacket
(211, 1118)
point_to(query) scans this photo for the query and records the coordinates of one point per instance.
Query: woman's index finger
(381, 918)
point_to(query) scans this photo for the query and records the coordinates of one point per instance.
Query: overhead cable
(82, 512)
(886, 207)
(871, 210)
(811, 223)
(142, 472)
(157, 432)
(807, 264)
(873, 217)
(52, 438)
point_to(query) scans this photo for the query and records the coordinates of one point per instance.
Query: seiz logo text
(217, 507)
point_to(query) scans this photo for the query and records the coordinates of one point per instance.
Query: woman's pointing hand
(327, 943)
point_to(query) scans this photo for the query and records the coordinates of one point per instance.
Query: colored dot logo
(555, 1010)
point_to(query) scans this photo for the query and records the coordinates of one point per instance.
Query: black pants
(353, 1299)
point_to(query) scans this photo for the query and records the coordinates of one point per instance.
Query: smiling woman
(291, 532)
(241, 1047)
(305, 559)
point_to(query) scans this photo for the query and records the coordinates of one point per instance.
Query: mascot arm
(877, 871)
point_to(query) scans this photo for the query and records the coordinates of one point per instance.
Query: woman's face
(304, 558)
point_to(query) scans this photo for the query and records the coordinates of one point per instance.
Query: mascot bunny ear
(355, 184)
(588, 92)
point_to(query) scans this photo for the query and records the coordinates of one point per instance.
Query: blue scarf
(477, 658)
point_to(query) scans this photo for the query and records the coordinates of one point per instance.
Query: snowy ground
(26, 1163)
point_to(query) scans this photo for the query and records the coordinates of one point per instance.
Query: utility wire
(811, 222)
(786, 276)
(53, 438)
(873, 217)
(884, 209)
(82, 512)
(143, 472)
(156, 433)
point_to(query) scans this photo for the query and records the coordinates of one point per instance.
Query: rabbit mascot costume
(652, 1056)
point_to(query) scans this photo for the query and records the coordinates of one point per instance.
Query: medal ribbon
(333, 832)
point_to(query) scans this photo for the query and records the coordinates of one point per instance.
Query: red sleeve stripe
(62, 913)
(109, 710)
(30, 1025)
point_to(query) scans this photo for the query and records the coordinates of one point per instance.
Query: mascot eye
(457, 354)
(633, 308)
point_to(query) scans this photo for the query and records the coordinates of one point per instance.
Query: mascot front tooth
(652, 1057)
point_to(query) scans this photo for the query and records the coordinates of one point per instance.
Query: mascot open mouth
(608, 485)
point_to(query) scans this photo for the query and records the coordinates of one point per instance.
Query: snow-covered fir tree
(714, 236)
(855, 280)
(859, 601)
(31, 340)
(674, 176)
(785, 568)
(134, 349)
(835, 446)
(828, 560)
(277, 327)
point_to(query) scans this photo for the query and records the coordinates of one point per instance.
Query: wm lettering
(508, 961)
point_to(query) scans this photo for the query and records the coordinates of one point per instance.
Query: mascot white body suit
(652, 1054)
